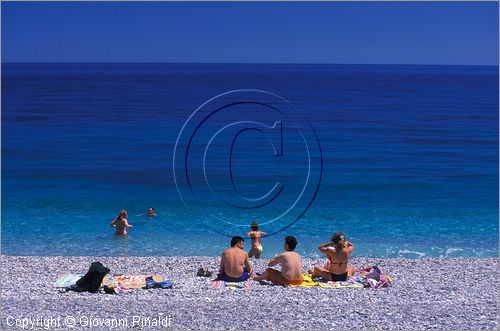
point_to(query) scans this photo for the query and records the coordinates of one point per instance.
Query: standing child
(255, 235)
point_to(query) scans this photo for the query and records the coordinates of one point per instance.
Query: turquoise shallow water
(410, 159)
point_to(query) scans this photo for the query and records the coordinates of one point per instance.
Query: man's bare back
(291, 265)
(233, 261)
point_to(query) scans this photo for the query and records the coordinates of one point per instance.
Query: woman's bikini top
(330, 259)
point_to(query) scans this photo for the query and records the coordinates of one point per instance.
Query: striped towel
(221, 284)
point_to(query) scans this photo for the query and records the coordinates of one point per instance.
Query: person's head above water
(151, 211)
(123, 214)
(338, 240)
(290, 243)
(236, 240)
(254, 226)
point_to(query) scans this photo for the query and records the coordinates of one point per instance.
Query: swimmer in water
(151, 212)
(121, 223)
(255, 235)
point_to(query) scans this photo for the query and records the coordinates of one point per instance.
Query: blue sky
(279, 32)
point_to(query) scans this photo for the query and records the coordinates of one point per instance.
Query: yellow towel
(307, 281)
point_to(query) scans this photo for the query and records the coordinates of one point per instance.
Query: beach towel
(371, 277)
(307, 281)
(132, 281)
(221, 284)
(349, 283)
(65, 280)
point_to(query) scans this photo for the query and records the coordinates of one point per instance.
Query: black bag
(92, 280)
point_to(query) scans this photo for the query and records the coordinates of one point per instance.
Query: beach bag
(92, 280)
(375, 273)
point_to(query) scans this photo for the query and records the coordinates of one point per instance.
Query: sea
(403, 159)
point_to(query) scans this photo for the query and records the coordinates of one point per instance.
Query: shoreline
(355, 258)
(427, 293)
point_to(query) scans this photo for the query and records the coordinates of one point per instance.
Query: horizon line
(259, 63)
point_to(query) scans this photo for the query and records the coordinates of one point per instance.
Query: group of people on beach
(235, 263)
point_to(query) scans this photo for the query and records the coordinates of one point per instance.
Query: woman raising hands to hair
(337, 251)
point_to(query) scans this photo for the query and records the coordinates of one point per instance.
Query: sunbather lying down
(291, 266)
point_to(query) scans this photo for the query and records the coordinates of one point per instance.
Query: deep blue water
(410, 158)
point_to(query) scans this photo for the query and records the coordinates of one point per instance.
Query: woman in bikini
(337, 252)
(121, 223)
(255, 235)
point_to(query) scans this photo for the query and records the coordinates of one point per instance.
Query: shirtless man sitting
(291, 266)
(235, 265)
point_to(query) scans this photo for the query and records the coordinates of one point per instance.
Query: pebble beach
(425, 294)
